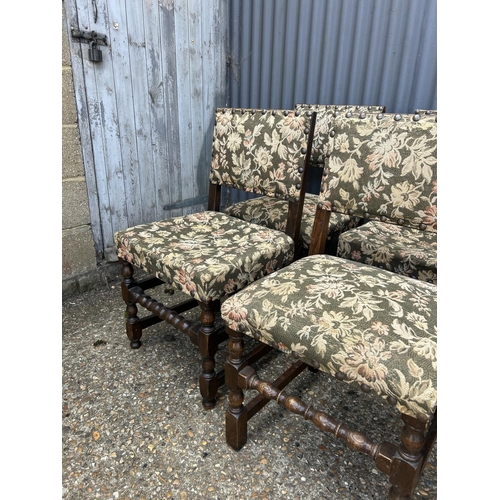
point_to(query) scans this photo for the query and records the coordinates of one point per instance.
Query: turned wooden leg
(407, 464)
(236, 413)
(207, 344)
(132, 323)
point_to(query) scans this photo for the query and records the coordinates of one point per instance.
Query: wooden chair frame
(205, 335)
(403, 462)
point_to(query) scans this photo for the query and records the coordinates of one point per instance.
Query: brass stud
(380, 116)
(274, 112)
(422, 226)
(367, 215)
(307, 130)
(286, 113)
(303, 151)
(348, 114)
(397, 117)
(309, 113)
(336, 114)
(365, 388)
(362, 115)
(340, 376)
(253, 111)
(416, 118)
(383, 218)
(401, 222)
(296, 199)
(298, 186)
(332, 133)
(264, 111)
(315, 364)
(295, 355)
(257, 335)
(392, 400)
(301, 169)
(350, 212)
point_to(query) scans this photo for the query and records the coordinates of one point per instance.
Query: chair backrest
(382, 167)
(266, 152)
(326, 113)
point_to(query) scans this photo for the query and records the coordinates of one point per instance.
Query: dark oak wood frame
(203, 334)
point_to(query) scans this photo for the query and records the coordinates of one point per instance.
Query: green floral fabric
(207, 255)
(260, 151)
(372, 326)
(383, 166)
(325, 118)
(272, 213)
(399, 249)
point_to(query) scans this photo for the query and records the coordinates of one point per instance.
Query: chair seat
(206, 255)
(272, 213)
(399, 249)
(353, 321)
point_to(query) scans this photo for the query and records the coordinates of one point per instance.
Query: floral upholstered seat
(206, 255)
(272, 213)
(209, 255)
(399, 249)
(354, 321)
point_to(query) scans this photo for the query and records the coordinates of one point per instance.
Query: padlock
(95, 54)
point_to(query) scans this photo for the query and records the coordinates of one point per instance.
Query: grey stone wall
(80, 269)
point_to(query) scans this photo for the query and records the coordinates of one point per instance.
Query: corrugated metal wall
(368, 52)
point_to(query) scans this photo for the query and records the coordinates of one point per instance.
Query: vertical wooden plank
(144, 166)
(84, 125)
(168, 173)
(155, 104)
(213, 28)
(120, 93)
(189, 84)
(103, 116)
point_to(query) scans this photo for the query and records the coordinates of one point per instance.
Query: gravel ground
(133, 426)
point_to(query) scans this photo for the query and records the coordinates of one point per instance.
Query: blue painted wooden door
(146, 111)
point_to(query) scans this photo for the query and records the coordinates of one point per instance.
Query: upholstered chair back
(261, 151)
(383, 167)
(326, 115)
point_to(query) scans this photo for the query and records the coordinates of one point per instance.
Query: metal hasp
(94, 39)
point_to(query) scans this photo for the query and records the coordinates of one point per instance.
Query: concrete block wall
(80, 269)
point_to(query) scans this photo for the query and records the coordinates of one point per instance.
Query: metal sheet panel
(368, 52)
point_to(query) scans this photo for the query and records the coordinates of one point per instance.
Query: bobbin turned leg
(207, 344)
(132, 323)
(236, 413)
(408, 462)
